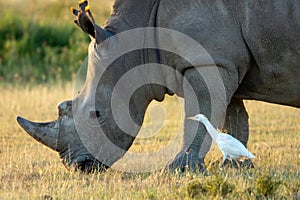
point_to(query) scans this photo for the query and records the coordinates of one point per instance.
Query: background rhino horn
(45, 133)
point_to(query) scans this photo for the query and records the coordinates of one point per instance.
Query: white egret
(230, 147)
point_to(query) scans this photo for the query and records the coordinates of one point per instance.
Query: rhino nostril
(60, 113)
(64, 107)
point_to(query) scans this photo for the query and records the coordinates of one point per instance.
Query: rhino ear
(86, 22)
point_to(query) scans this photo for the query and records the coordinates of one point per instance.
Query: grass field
(40, 43)
(29, 170)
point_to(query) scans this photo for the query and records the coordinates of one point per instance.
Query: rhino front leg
(202, 94)
(236, 123)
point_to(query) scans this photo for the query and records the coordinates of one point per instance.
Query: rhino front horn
(45, 133)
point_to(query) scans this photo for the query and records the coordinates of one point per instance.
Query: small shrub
(217, 186)
(195, 189)
(151, 194)
(266, 185)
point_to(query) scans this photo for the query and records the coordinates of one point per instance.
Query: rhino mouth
(91, 166)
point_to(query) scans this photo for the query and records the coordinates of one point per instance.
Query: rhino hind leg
(237, 125)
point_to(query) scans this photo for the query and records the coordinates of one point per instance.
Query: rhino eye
(95, 114)
(94, 117)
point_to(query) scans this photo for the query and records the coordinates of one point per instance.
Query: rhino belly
(273, 84)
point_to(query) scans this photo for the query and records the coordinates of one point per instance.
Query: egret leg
(224, 160)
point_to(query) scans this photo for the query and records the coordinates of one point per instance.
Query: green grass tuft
(216, 185)
(267, 184)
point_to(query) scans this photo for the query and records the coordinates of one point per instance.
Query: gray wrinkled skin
(254, 43)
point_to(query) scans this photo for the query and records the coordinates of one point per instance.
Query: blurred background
(39, 43)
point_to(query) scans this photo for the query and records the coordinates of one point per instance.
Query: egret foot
(247, 164)
(236, 164)
(230, 164)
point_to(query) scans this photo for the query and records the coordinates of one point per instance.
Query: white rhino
(255, 45)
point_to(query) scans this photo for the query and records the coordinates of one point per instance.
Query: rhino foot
(187, 162)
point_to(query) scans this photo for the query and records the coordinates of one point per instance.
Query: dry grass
(28, 170)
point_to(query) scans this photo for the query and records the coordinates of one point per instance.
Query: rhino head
(86, 133)
(61, 136)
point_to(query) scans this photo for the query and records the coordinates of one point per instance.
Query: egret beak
(191, 118)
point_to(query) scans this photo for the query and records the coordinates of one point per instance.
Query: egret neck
(210, 129)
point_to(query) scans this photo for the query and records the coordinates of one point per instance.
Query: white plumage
(230, 147)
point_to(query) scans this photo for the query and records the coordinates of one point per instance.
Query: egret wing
(233, 147)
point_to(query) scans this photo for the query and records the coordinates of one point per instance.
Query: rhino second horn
(45, 133)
